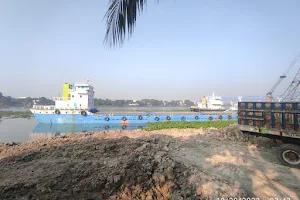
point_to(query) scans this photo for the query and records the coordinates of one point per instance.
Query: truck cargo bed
(278, 119)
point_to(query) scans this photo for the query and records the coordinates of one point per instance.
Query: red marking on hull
(125, 122)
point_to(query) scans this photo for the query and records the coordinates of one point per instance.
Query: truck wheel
(289, 155)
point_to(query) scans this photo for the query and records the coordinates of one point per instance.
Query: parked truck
(278, 120)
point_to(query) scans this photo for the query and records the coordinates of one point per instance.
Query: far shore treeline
(8, 101)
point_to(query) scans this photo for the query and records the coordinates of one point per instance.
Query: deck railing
(41, 107)
(60, 98)
(52, 107)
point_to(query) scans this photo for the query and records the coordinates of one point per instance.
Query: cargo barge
(76, 106)
(76, 128)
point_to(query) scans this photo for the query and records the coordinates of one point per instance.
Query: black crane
(292, 92)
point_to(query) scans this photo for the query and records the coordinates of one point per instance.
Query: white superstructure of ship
(210, 103)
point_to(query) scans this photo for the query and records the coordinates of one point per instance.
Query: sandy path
(255, 169)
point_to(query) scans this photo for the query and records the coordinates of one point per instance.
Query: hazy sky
(181, 49)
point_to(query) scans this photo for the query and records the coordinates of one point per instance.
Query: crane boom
(269, 94)
(289, 91)
(292, 92)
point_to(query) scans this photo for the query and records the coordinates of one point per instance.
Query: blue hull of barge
(130, 118)
(76, 128)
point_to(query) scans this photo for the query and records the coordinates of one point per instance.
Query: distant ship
(76, 106)
(211, 103)
(234, 106)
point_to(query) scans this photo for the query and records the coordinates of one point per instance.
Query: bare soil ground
(166, 164)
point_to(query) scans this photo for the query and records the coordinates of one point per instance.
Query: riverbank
(15, 114)
(140, 164)
(26, 129)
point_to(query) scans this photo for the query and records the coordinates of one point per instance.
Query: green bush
(184, 125)
(15, 114)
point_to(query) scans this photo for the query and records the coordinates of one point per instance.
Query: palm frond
(120, 19)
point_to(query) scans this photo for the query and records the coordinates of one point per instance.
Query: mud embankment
(167, 164)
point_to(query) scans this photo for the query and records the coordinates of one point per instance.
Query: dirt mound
(167, 164)
(100, 169)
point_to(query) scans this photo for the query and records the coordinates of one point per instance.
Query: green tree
(6, 101)
(119, 103)
(189, 103)
(99, 102)
(127, 102)
(141, 103)
(44, 101)
(121, 18)
(28, 102)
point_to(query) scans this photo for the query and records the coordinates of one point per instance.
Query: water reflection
(22, 130)
(16, 130)
(77, 128)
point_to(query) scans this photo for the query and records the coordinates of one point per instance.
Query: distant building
(22, 97)
(181, 103)
(35, 101)
(165, 102)
(134, 103)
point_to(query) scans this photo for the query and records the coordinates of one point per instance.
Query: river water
(16, 130)
(22, 130)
